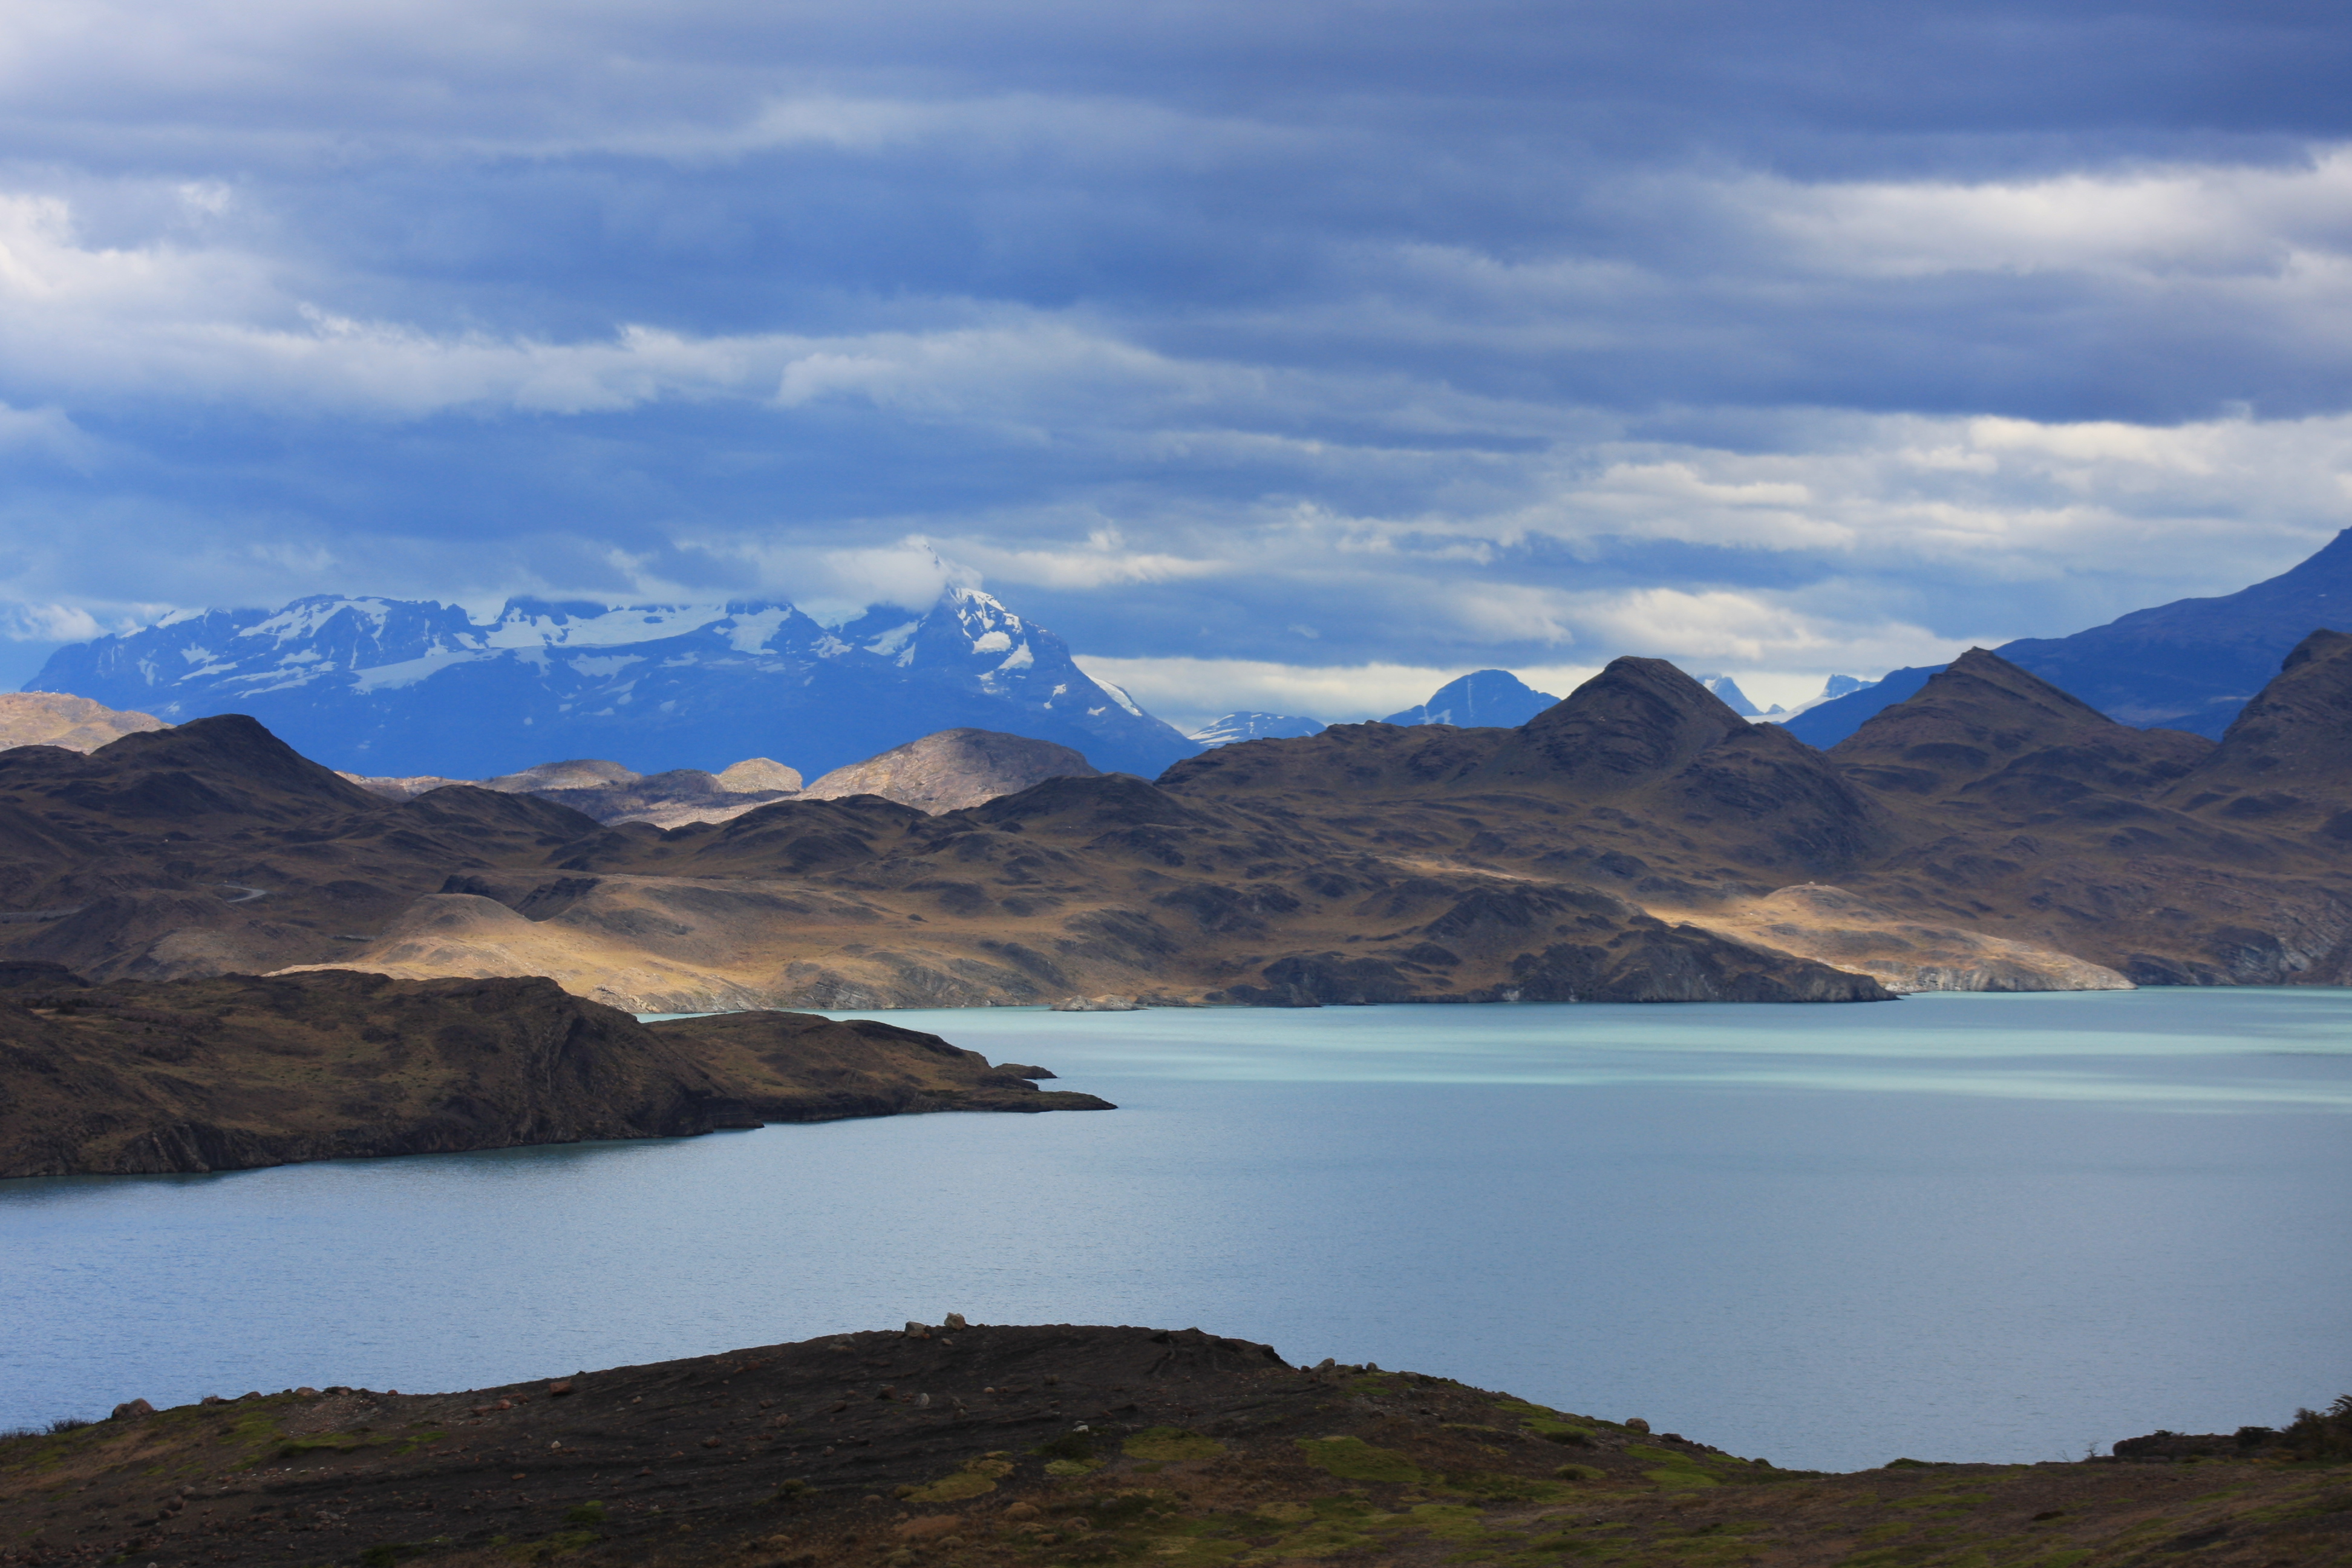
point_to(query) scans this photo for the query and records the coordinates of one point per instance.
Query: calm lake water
(1958, 1227)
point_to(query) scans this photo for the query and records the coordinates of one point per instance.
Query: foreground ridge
(1061, 1444)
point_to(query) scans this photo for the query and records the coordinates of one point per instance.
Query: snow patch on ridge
(894, 639)
(750, 633)
(409, 671)
(306, 617)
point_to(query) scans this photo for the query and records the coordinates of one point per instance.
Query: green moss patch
(1546, 1423)
(1450, 1521)
(1492, 1488)
(1675, 1476)
(1172, 1444)
(1324, 1538)
(975, 1479)
(1353, 1459)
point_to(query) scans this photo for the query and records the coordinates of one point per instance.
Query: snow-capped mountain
(1494, 697)
(399, 686)
(1231, 727)
(1834, 688)
(1724, 686)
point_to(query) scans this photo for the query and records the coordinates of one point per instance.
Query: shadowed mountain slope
(2288, 754)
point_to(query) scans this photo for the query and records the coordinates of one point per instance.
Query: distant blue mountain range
(392, 687)
(396, 687)
(2188, 665)
(1824, 724)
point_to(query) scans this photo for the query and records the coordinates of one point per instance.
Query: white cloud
(1105, 560)
(48, 623)
(2185, 221)
(1735, 629)
(1188, 692)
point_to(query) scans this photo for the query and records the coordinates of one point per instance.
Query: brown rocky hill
(235, 1072)
(1637, 841)
(953, 769)
(2154, 853)
(941, 772)
(612, 793)
(77, 723)
(1055, 1444)
(212, 848)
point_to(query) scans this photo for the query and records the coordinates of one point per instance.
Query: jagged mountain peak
(1727, 689)
(398, 688)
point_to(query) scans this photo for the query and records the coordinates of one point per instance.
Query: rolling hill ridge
(1637, 841)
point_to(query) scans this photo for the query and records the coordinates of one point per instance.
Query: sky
(1280, 354)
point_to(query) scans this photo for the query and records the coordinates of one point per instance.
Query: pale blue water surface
(1999, 1227)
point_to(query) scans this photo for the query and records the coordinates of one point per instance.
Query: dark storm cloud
(1787, 337)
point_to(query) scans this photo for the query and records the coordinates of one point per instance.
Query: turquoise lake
(1952, 1228)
